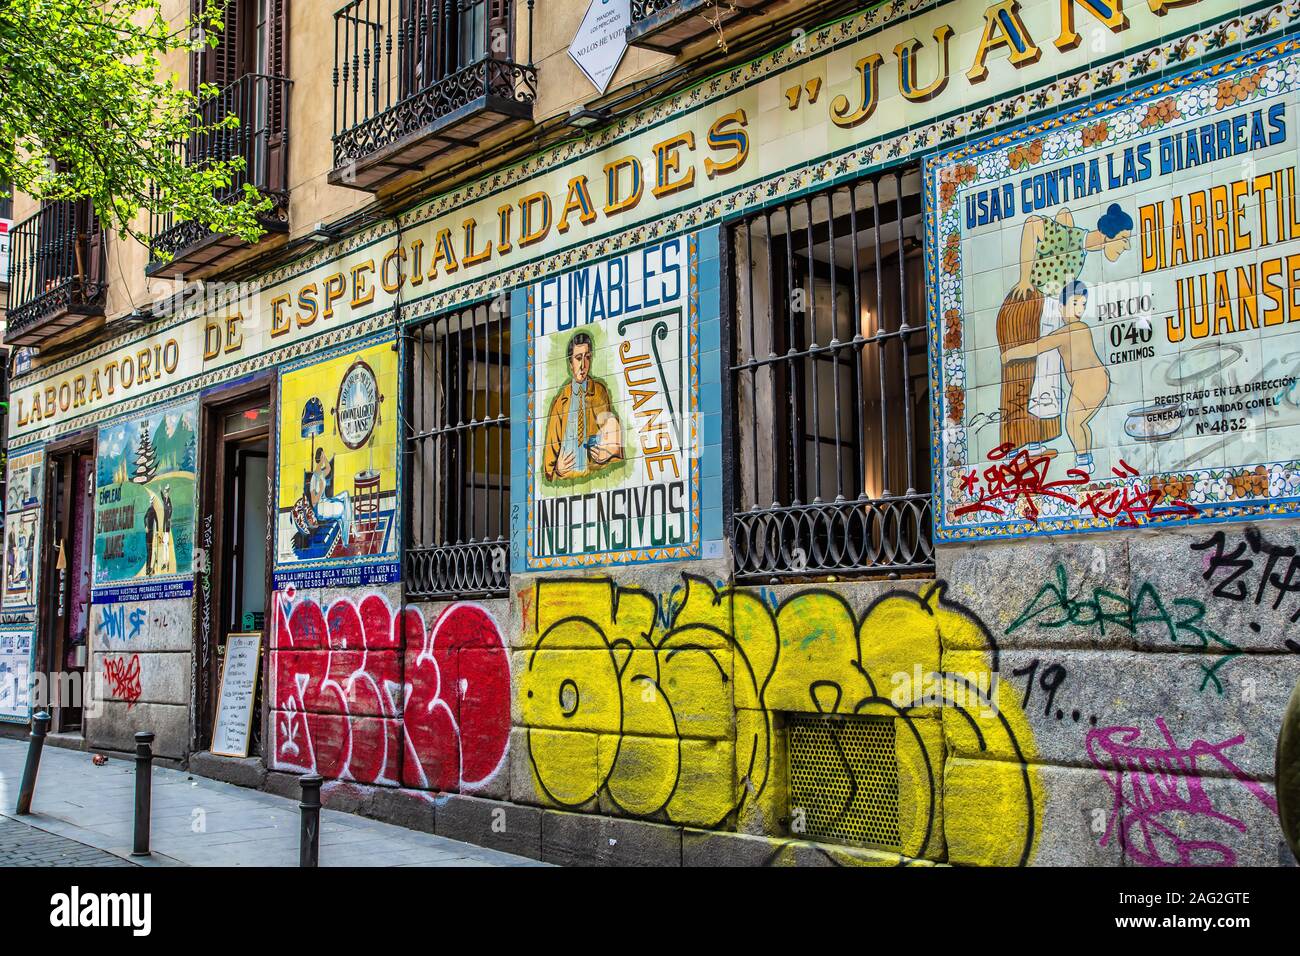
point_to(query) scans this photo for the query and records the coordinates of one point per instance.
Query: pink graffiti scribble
(123, 678)
(1150, 782)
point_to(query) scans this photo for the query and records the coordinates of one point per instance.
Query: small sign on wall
(234, 723)
(601, 40)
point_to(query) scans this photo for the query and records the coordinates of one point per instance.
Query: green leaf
(91, 106)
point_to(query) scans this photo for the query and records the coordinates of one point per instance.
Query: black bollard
(40, 727)
(143, 791)
(309, 834)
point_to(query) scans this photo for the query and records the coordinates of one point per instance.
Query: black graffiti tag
(1238, 564)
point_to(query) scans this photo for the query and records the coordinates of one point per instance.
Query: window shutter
(219, 65)
(90, 242)
(278, 67)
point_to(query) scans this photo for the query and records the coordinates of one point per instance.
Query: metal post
(143, 793)
(309, 834)
(40, 727)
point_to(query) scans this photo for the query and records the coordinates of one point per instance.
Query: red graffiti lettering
(458, 702)
(364, 695)
(1017, 484)
(123, 677)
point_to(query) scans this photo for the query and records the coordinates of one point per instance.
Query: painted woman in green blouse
(1052, 255)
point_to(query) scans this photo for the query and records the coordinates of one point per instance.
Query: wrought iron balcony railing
(418, 79)
(260, 103)
(56, 273)
(669, 25)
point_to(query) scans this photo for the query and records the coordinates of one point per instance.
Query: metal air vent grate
(843, 779)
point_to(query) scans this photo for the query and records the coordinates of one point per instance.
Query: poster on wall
(613, 390)
(1115, 312)
(15, 674)
(339, 469)
(144, 505)
(23, 489)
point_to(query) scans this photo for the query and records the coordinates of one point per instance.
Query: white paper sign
(238, 691)
(601, 40)
(6, 227)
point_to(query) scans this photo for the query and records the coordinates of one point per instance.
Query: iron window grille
(458, 446)
(829, 428)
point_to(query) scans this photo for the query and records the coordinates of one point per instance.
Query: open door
(237, 496)
(65, 587)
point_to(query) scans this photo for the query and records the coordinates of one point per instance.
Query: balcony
(57, 275)
(261, 140)
(419, 80)
(669, 25)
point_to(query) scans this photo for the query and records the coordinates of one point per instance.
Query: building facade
(848, 436)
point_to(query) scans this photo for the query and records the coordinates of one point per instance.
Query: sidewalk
(198, 822)
(21, 845)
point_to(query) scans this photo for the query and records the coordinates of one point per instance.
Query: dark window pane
(458, 447)
(830, 383)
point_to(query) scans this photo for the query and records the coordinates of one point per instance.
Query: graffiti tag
(1017, 483)
(1151, 782)
(1054, 607)
(123, 677)
(1237, 566)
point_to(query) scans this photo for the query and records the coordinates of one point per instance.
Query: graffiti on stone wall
(1102, 610)
(1233, 572)
(1157, 794)
(336, 689)
(456, 722)
(1180, 741)
(116, 623)
(364, 694)
(122, 679)
(666, 709)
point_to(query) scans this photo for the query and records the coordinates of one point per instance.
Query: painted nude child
(1088, 378)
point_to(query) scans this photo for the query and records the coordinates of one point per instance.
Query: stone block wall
(1087, 700)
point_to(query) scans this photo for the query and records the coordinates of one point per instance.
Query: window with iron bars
(829, 384)
(458, 449)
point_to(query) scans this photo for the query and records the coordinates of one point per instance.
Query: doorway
(65, 645)
(234, 589)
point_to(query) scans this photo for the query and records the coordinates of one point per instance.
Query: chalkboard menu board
(234, 723)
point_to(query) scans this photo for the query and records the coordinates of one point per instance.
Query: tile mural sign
(145, 470)
(336, 491)
(16, 656)
(613, 370)
(23, 490)
(1114, 309)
